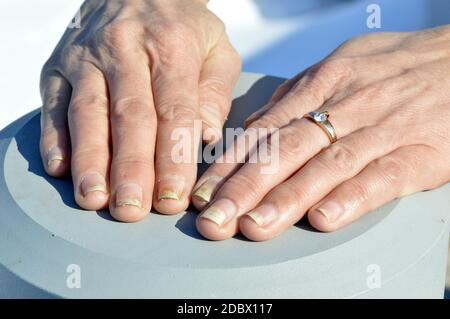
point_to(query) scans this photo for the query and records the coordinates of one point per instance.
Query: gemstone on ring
(319, 116)
(321, 119)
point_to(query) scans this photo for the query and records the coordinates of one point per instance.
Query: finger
(133, 128)
(257, 176)
(308, 94)
(89, 132)
(219, 74)
(313, 88)
(279, 93)
(405, 171)
(54, 141)
(179, 134)
(289, 201)
(337, 163)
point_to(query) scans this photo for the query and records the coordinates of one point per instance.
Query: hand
(389, 100)
(115, 89)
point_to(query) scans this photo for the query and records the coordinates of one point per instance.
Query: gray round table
(49, 247)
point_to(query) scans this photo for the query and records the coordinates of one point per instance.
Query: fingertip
(56, 161)
(169, 206)
(128, 214)
(199, 202)
(128, 203)
(94, 200)
(204, 191)
(252, 230)
(57, 168)
(210, 230)
(319, 220)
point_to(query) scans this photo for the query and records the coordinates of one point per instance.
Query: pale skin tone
(115, 89)
(388, 99)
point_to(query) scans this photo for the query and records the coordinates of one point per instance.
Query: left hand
(389, 101)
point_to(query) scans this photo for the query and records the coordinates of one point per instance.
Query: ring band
(321, 119)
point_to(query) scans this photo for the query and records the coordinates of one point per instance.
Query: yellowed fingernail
(96, 188)
(54, 154)
(168, 195)
(171, 187)
(220, 212)
(206, 191)
(215, 215)
(129, 195)
(93, 182)
(130, 201)
(263, 215)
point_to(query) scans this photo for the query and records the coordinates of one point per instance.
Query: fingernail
(221, 212)
(170, 187)
(206, 191)
(129, 195)
(54, 154)
(211, 115)
(331, 211)
(263, 215)
(93, 182)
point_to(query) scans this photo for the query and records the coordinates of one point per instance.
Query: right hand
(115, 89)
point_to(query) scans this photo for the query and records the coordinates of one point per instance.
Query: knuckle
(215, 84)
(177, 111)
(269, 121)
(242, 181)
(357, 191)
(322, 77)
(217, 23)
(215, 88)
(133, 111)
(176, 34)
(391, 169)
(296, 195)
(292, 143)
(339, 158)
(280, 91)
(86, 104)
(234, 58)
(48, 68)
(116, 37)
(69, 57)
(172, 41)
(332, 70)
(375, 90)
(138, 159)
(89, 152)
(54, 102)
(116, 33)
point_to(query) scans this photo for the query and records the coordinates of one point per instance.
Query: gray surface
(42, 231)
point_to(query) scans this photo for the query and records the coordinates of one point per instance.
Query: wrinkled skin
(389, 101)
(114, 90)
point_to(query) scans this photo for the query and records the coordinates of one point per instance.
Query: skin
(388, 99)
(114, 90)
